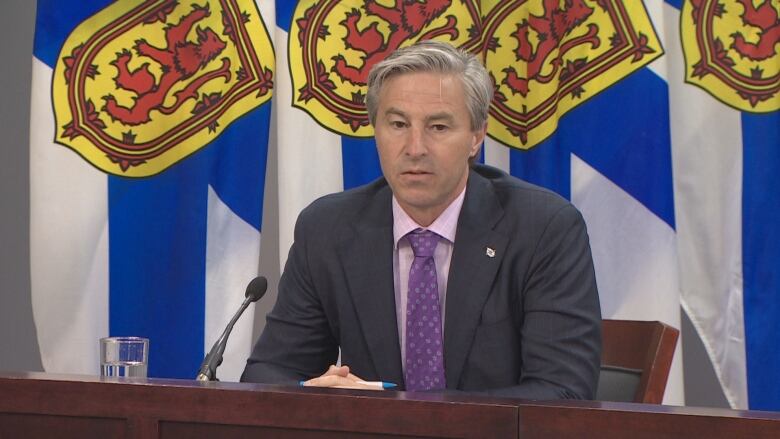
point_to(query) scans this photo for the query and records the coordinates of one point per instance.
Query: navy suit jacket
(524, 322)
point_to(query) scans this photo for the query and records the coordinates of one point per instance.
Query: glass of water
(124, 356)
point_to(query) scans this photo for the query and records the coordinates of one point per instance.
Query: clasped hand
(339, 377)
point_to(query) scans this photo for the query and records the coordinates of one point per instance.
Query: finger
(342, 371)
(350, 375)
(329, 381)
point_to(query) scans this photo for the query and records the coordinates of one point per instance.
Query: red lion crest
(179, 60)
(406, 20)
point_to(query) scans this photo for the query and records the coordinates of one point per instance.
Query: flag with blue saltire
(148, 155)
(724, 85)
(620, 106)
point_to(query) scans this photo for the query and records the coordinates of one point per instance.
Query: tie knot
(423, 242)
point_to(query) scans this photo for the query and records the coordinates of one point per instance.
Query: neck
(424, 217)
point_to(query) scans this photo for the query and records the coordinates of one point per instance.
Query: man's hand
(338, 377)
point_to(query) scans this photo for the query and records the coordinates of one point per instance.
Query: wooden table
(44, 405)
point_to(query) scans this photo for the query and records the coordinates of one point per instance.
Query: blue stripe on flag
(676, 3)
(360, 161)
(157, 237)
(238, 171)
(761, 257)
(623, 132)
(284, 14)
(55, 21)
(547, 164)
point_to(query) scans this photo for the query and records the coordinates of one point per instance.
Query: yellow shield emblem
(731, 51)
(142, 84)
(553, 56)
(334, 43)
(545, 56)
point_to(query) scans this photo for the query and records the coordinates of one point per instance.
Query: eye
(397, 123)
(439, 127)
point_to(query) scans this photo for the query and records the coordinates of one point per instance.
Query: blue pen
(376, 384)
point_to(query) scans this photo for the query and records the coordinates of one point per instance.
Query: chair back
(636, 357)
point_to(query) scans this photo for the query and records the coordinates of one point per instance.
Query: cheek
(387, 144)
(389, 161)
(468, 145)
(382, 146)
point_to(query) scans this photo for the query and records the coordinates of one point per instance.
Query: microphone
(208, 368)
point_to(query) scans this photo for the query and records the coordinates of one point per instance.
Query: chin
(422, 202)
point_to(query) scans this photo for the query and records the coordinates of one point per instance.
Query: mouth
(416, 172)
(416, 177)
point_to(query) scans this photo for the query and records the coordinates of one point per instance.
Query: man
(442, 274)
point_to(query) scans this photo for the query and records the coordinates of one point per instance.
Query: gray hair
(438, 57)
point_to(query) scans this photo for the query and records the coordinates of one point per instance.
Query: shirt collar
(445, 225)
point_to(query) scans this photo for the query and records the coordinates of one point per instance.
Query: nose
(415, 143)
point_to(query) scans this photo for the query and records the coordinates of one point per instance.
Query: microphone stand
(208, 368)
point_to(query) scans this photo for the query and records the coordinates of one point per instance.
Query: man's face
(424, 139)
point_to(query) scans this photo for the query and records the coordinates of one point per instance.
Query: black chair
(635, 360)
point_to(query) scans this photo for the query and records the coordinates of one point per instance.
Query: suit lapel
(366, 248)
(472, 271)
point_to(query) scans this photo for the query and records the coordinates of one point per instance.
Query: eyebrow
(441, 116)
(397, 112)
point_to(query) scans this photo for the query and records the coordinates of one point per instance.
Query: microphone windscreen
(256, 289)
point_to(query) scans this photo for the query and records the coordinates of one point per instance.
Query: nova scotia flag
(148, 158)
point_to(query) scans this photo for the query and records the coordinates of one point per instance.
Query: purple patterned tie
(424, 359)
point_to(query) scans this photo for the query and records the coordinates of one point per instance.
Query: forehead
(422, 89)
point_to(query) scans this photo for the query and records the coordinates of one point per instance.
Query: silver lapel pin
(490, 252)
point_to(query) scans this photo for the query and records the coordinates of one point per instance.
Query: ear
(478, 138)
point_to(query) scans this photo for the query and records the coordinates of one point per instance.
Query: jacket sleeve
(297, 343)
(560, 329)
